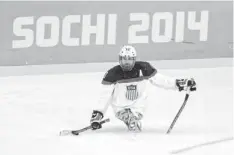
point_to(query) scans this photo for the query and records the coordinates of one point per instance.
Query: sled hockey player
(125, 89)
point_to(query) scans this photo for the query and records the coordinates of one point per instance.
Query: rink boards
(84, 32)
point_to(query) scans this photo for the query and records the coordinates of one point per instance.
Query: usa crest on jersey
(131, 93)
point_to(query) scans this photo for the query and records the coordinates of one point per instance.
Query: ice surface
(33, 109)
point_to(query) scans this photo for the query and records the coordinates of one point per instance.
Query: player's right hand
(95, 120)
(96, 125)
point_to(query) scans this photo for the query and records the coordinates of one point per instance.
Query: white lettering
(179, 32)
(99, 29)
(161, 27)
(133, 29)
(53, 21)
(111, 34)
(66, 30)
(202, 26)
(23, 32)
(167, 36)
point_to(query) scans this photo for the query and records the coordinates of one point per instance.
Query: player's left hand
(185, 84)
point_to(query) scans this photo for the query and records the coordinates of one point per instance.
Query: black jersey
(141, 70)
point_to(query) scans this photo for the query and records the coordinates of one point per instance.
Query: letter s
(23, 32)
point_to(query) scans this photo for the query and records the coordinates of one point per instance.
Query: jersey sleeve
(163, 81)
(105, 98)
(156, 78)
(106, 91)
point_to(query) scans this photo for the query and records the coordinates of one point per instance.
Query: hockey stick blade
(180, 111)
(77, 132)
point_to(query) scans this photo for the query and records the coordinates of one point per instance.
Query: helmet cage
(127, 62)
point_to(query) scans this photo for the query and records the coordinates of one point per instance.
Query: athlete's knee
(131, 118)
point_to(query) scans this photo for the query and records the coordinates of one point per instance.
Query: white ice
(34, 108)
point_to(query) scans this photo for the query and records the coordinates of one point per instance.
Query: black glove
(95, 120)
(184, 84)
(96, 125)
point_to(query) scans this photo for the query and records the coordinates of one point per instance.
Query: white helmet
(127, 57)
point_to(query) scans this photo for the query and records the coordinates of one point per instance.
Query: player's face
(127, 63)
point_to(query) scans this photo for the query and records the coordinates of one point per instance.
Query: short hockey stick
(180, 111)
(77, 132)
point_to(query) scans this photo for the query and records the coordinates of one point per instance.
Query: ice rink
(35, 107)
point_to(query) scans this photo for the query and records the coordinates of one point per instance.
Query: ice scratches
(201, 145)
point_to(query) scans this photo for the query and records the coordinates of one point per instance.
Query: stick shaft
(179, 112)
(90, 127)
